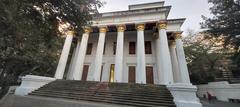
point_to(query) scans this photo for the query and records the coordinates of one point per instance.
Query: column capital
(178, 35)
(162, 24)
(70, 33)
(121, 28)
(103, 29)
(87, 29)
(140, 27)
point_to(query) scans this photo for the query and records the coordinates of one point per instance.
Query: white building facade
(139, 45)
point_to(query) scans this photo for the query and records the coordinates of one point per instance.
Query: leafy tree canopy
(225, 21)
(30, 41)
(207, 58)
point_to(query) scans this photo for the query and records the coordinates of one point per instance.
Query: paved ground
(9, 102)
(219, 104)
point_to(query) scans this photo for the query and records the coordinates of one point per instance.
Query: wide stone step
(140, 95)
(109, 100)
(112, 92)
(129, 99)
(125, 88)
(112, 88)
(73, 83)
(158, 98)
(165, 92)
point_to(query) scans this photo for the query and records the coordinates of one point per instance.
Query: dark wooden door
(85, 72)
(131, 74)
(149, 74)
(101, 73)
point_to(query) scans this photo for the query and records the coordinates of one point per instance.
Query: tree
(30, 41)
(206, 57)
(225, 22)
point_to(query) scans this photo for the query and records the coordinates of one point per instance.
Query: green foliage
(30, 42)
(3, 92)
(226, 21)
(206, 59)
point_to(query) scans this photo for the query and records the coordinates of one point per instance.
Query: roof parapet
(146, 5)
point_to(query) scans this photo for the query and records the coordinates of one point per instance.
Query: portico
(111, 47)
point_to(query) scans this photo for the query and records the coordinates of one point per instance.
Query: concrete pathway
(219, 104)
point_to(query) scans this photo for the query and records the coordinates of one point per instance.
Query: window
(104, 49)
(132, 47)
(89, 48)
(114, 48)
(148, 47)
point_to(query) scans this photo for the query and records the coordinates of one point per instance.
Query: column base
(31, 83)
(184, 95)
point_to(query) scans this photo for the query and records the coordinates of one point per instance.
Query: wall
(129, 60)
(222, 90)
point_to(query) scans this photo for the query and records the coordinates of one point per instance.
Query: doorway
(149, 75)
(112, 71)
(85, 72)
(131, 74)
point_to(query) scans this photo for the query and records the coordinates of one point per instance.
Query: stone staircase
(137, 95)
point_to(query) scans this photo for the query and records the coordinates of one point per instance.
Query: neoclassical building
(139, 45)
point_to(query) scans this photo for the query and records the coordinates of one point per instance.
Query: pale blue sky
(190, 9)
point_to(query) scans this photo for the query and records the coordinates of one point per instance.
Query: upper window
(114, 47)
(104, 48)
(148, 47)
(89, 48)
(132, 47)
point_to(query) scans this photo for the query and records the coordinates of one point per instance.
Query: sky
(192, 10)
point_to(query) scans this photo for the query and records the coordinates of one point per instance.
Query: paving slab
(219, 104)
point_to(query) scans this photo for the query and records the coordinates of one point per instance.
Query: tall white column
(73, 62)
(78, 68)
(182, 60)
(119, 55)
(164, 65)
(64, 56)
(175, 67)
(141, 65)
(99, 54)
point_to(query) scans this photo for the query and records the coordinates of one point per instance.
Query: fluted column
(73, 62)
(164, 65)
(78, 68)
(181, 59)
(175, 67)
(119, 55)
(64, 55)
(99, 54)
(141, 65)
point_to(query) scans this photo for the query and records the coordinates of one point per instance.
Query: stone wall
(222, 90)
